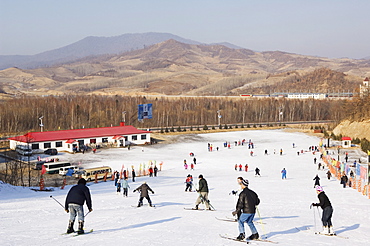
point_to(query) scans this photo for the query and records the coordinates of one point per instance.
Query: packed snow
(34, 218)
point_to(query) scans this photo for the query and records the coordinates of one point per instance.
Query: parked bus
(23, 150)
(53, 167)
(89, 173)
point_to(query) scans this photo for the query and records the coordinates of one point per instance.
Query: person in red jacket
(246, 167)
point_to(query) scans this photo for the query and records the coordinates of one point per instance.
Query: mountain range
(92, 46)
(173, 67)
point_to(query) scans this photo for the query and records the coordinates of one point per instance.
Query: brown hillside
(176, 68)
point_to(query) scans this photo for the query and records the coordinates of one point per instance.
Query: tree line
(20, 115)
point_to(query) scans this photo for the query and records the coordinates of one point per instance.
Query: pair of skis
(319, 233)
(247, 241)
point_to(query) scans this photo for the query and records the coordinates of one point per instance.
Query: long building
(69, 140)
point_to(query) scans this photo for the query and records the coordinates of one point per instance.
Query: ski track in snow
(33, 218)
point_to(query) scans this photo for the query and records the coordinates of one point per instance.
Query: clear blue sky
(328, 28)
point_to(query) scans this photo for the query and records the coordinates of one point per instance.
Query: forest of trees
(20, 115)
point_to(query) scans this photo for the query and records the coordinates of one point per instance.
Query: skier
(319, 166)
(283, 173)
(118, 186)
(317, 181)
(245, 210)
(328, 174)
(143, 189)
(344, 180)
(281, 151)
(155, 170)
(246, 167)
(133, 175)
(151, 171)
(192, 166)
(257, 170)
(236, 167)
(75, 200)
(195, 160)
(203, 193)
(240, 167)
(189, 182)
(314, 160)
(125, 186)
(327, 211)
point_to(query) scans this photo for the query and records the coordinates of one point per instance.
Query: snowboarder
(328, 174)
(203, 193)
(143, 189)
(125, 186)
(283, 173)
(189, 182)
(75, 200)
(245, 210)
(317, 181)
(327, 211)
(257, 172)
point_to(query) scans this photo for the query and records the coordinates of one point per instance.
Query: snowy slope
(33, 218)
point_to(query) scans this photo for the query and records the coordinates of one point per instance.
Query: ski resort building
(70, 140)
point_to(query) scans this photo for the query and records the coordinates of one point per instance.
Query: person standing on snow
(283, 173)
(327, 211)
(125, 186)
(328, 174)
(245, 210)
(189, 182)
(143, 189)
(203, 193)
(75, 200)
(344, 180)
(155, 169)
(133, 175)
(317, 181)
(257, 172)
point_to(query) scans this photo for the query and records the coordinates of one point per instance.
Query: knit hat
(200, 176)
(319, 188)
(245, 182)
(82, 181)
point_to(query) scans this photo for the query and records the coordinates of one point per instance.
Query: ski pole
(206, 201)
(314, 219)
(263, 227)
(57, 201)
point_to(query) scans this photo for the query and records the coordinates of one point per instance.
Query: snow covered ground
(33, 218)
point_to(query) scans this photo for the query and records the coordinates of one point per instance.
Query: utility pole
(41, 125)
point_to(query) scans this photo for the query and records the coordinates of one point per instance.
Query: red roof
(366, 79)
(32, 137)
(346, 138)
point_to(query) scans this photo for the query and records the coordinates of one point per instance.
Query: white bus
(90, 173)
(64, 170)
(53, 167)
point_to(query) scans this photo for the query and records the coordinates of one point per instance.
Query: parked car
(51, 152)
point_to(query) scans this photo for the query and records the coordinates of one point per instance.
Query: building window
(104, 140)
(134, 137)
(58, 144)
(93, 140)
(143, 137)
(81, 142)
(47, 145)
(35, 146)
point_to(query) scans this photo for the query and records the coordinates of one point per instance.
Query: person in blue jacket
(283, 173)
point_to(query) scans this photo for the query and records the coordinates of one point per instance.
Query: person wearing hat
(75, 200)
(245, 210)
(144, 193)
(203, 193)
(327, 211)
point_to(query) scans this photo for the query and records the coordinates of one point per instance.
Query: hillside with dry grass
(174, 68)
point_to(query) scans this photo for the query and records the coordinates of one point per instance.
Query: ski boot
(196, 207)
(331, 231)
(254, 236)
(80, 227)
(140, 204)
(241, 237)
(70, 227)
(325, 230)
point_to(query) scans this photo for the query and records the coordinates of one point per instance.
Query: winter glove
(134, 191)
(67, 210)
(152, 192)
(234, 213)
(90, 209)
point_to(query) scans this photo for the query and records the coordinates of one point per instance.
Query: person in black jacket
(317, 181)
(327, 211)
(245, 210)
(203, 193)
(75, 200)
(143, 189)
